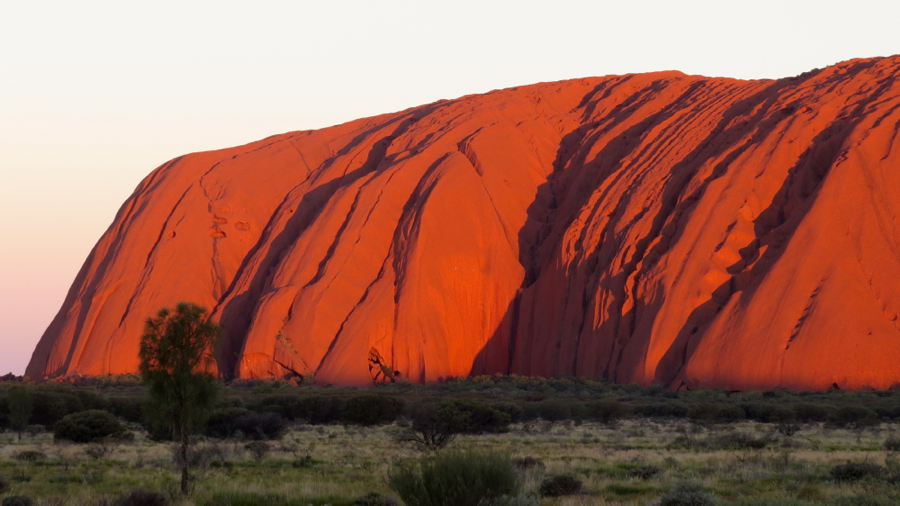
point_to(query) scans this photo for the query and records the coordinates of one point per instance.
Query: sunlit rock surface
(650, 228)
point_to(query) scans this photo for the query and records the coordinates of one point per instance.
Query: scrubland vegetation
(488, 440)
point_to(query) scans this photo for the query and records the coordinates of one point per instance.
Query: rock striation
(650, 228)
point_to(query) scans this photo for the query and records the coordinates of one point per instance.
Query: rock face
(652, 228)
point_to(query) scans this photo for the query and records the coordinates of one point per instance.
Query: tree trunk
(184, 461)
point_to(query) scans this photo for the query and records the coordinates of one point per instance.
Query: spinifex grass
(336, 464)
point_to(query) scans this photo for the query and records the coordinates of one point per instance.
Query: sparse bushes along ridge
(520, 399)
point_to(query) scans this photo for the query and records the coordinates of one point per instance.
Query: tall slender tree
(20, 406)
(176, 355)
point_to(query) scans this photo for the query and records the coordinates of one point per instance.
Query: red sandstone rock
(653, 228)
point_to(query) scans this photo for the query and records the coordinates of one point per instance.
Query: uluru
(651, 228)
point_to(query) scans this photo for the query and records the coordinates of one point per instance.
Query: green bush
(88, 426)
(435, 424)
(17, 500)
(855, 471)
(686, 493)
(371, 409)
(4, 485)
(141, 497)
(454, 478)
(559, 485)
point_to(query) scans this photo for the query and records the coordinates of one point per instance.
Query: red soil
(645, 228)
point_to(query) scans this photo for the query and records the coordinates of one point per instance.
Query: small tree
(20, 407)
(176, 353)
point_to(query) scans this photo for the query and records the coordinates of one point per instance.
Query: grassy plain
(335, 464)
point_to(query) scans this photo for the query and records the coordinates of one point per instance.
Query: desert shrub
(855, 471)
(314, 409)
(788, 429)
(729, 413)
(434, 424)
(35, 429)
(454, 478)
(17, 500)
(130, 409)
(30, 456)
(686, 493)
(607, 411)
(375, 499)
(221, 422)
(526, 463)
(515, 412)
(552, 410)
(371, 409)
(853, 417)
(51, 405)
(259, 449)
(666, 409)
(319, 409)
(892, 444)
(559, 485)
(141, 497)
(807, 412)
(99, 449)
(4, 485)
(645, 472)
(88, 426)
(303, 462)
(736, 441)
(704, 412)
(261, 425)
(469, 416)
(763, 412)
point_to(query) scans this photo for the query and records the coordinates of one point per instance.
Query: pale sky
(95, 95)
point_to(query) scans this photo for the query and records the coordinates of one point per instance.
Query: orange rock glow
(650, 228)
